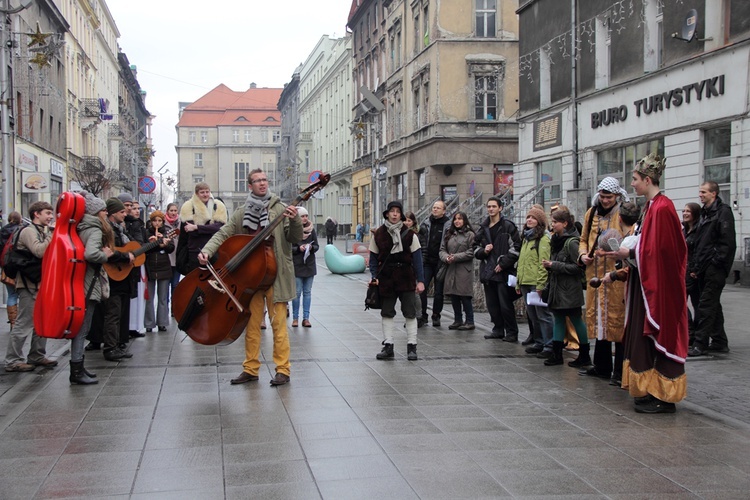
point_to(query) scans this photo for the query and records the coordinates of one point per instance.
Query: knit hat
(393, 204)
(94, 205)
(652, 166)
(125, 197)
(156, 214)
(114, 205)
(539, 215)
(302, 211)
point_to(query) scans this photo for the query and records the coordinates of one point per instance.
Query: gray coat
(90, 232)
(459, 279)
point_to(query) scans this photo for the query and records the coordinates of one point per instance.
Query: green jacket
(285, 234)
(530, 268)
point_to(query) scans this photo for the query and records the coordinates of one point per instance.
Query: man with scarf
(396, 269)
(201, 217)
(261, 208)
(605, 305)
(656, 334)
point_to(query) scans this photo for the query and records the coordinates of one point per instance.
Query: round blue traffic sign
(314, 176)
(146, 184)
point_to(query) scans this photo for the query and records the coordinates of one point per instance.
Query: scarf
(256, 211)
(171, 220)
(307, 230)
(395, 231)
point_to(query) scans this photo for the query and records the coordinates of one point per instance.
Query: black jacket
(158, 265)
(431, 236)
(715, 241)
(506, 247)
(565, 275)
(305, 268)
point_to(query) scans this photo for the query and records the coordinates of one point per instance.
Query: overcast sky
(184, 48)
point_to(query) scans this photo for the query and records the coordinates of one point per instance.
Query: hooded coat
(92, 237)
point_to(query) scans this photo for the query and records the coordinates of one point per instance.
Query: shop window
(717, 166)
(620, 162)
(549, 175)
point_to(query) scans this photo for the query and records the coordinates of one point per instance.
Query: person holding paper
(305, 268)
(532, 277)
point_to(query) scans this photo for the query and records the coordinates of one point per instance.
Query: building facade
(606, 83)
(435, 101)
(288, 161)
(325, 142)
(224, 135)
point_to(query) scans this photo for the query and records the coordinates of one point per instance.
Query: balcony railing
(93, 164)
(90, 108)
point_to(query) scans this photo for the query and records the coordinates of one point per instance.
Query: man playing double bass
(262, 207)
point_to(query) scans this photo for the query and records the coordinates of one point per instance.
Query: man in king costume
(656, 333)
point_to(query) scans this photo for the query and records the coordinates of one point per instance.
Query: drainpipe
(574, 92)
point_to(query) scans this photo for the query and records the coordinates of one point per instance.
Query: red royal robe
(661, 255)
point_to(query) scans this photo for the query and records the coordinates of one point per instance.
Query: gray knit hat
(125, 197)
(94, 205)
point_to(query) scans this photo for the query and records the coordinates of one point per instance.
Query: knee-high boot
(78, 376)
(584, 358)
(557, 357)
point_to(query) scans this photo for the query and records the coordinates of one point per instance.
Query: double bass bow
(212, 304)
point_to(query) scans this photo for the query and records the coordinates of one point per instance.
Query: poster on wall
(503, 180)
(34, 182)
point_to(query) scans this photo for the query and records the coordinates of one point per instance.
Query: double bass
(62, 289)
(212, 304)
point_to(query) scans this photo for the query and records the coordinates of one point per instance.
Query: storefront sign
(27, 161)
(708, 88)
(547, 132)
(56, 167)
(35, 182)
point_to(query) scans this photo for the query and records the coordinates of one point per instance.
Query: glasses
(258, 181)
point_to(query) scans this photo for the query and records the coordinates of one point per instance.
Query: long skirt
(645, 369)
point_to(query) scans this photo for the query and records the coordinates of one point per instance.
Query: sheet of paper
(533, 299)
(512, 280)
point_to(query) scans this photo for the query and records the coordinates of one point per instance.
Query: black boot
(411, 352)
(78, 376)
(556, 358)
(386, 353)
(88, 373)
(583, 358)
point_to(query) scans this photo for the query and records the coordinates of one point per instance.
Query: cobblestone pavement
(473, 418)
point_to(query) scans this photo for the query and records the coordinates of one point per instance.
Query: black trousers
(500, 307)
(709, 325)
(430, 270)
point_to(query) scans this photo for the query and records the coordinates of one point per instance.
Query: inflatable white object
(343, 264)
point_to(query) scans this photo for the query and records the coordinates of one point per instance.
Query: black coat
(715, 240)
(565, 275)
(506, 247)
(305, 269)
(431, 237)
(158, 265)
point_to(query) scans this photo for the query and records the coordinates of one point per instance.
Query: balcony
(92, 164)
(90, 108)
(305, 137)
(113, 131)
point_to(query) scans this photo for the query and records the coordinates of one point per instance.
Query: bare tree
(96, 179)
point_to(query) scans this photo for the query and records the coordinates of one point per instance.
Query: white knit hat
(302, 211)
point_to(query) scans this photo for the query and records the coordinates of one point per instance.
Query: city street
(472, 418)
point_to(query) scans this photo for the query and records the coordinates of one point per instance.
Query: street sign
(146, 184)
(314, 176)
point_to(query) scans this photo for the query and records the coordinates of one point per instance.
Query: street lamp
(161, 185)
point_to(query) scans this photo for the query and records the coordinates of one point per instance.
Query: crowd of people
(600, 279)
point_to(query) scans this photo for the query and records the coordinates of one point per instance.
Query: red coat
(661, 255)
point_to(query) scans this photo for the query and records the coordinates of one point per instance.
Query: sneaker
(655, 406)
(44, 362)
(19, 367)
(162, 328)
(435, 320)
(713, 347)
(696, 351)
(467, 326)
(534, 349)
(295, 323)
(544, 354)
(455, 325)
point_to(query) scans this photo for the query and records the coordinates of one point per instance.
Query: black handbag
(442, 271)
(545, 293)
(372, 299)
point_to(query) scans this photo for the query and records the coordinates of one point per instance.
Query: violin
(212, 304)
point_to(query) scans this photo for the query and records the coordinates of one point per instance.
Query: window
(191, 137)
(241, 169)
(426, 26)
(198, 160)
(264, 136)
(198, 178)
(276, 136)
(717, 166)
(620, 162)
(417, 37)
(603, 39)
(204, 137)
(549, 174)
(417, 110)
(235, 136)
(247, 136)
(485, 18)
(401, 188)
(485, 97)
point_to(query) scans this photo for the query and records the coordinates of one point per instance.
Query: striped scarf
(256, 211)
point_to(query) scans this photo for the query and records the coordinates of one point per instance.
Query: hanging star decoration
(38, 38)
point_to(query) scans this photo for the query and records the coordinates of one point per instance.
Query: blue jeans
(304, 288)
(460, 302)
(542, 319)
(12, 295)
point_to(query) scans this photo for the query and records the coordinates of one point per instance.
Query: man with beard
(430, 238)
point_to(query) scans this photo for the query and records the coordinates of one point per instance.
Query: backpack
(566, 247)
(13, 259)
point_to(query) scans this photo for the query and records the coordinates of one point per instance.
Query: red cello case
(62, 294)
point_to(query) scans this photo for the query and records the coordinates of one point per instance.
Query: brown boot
(12, 315)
